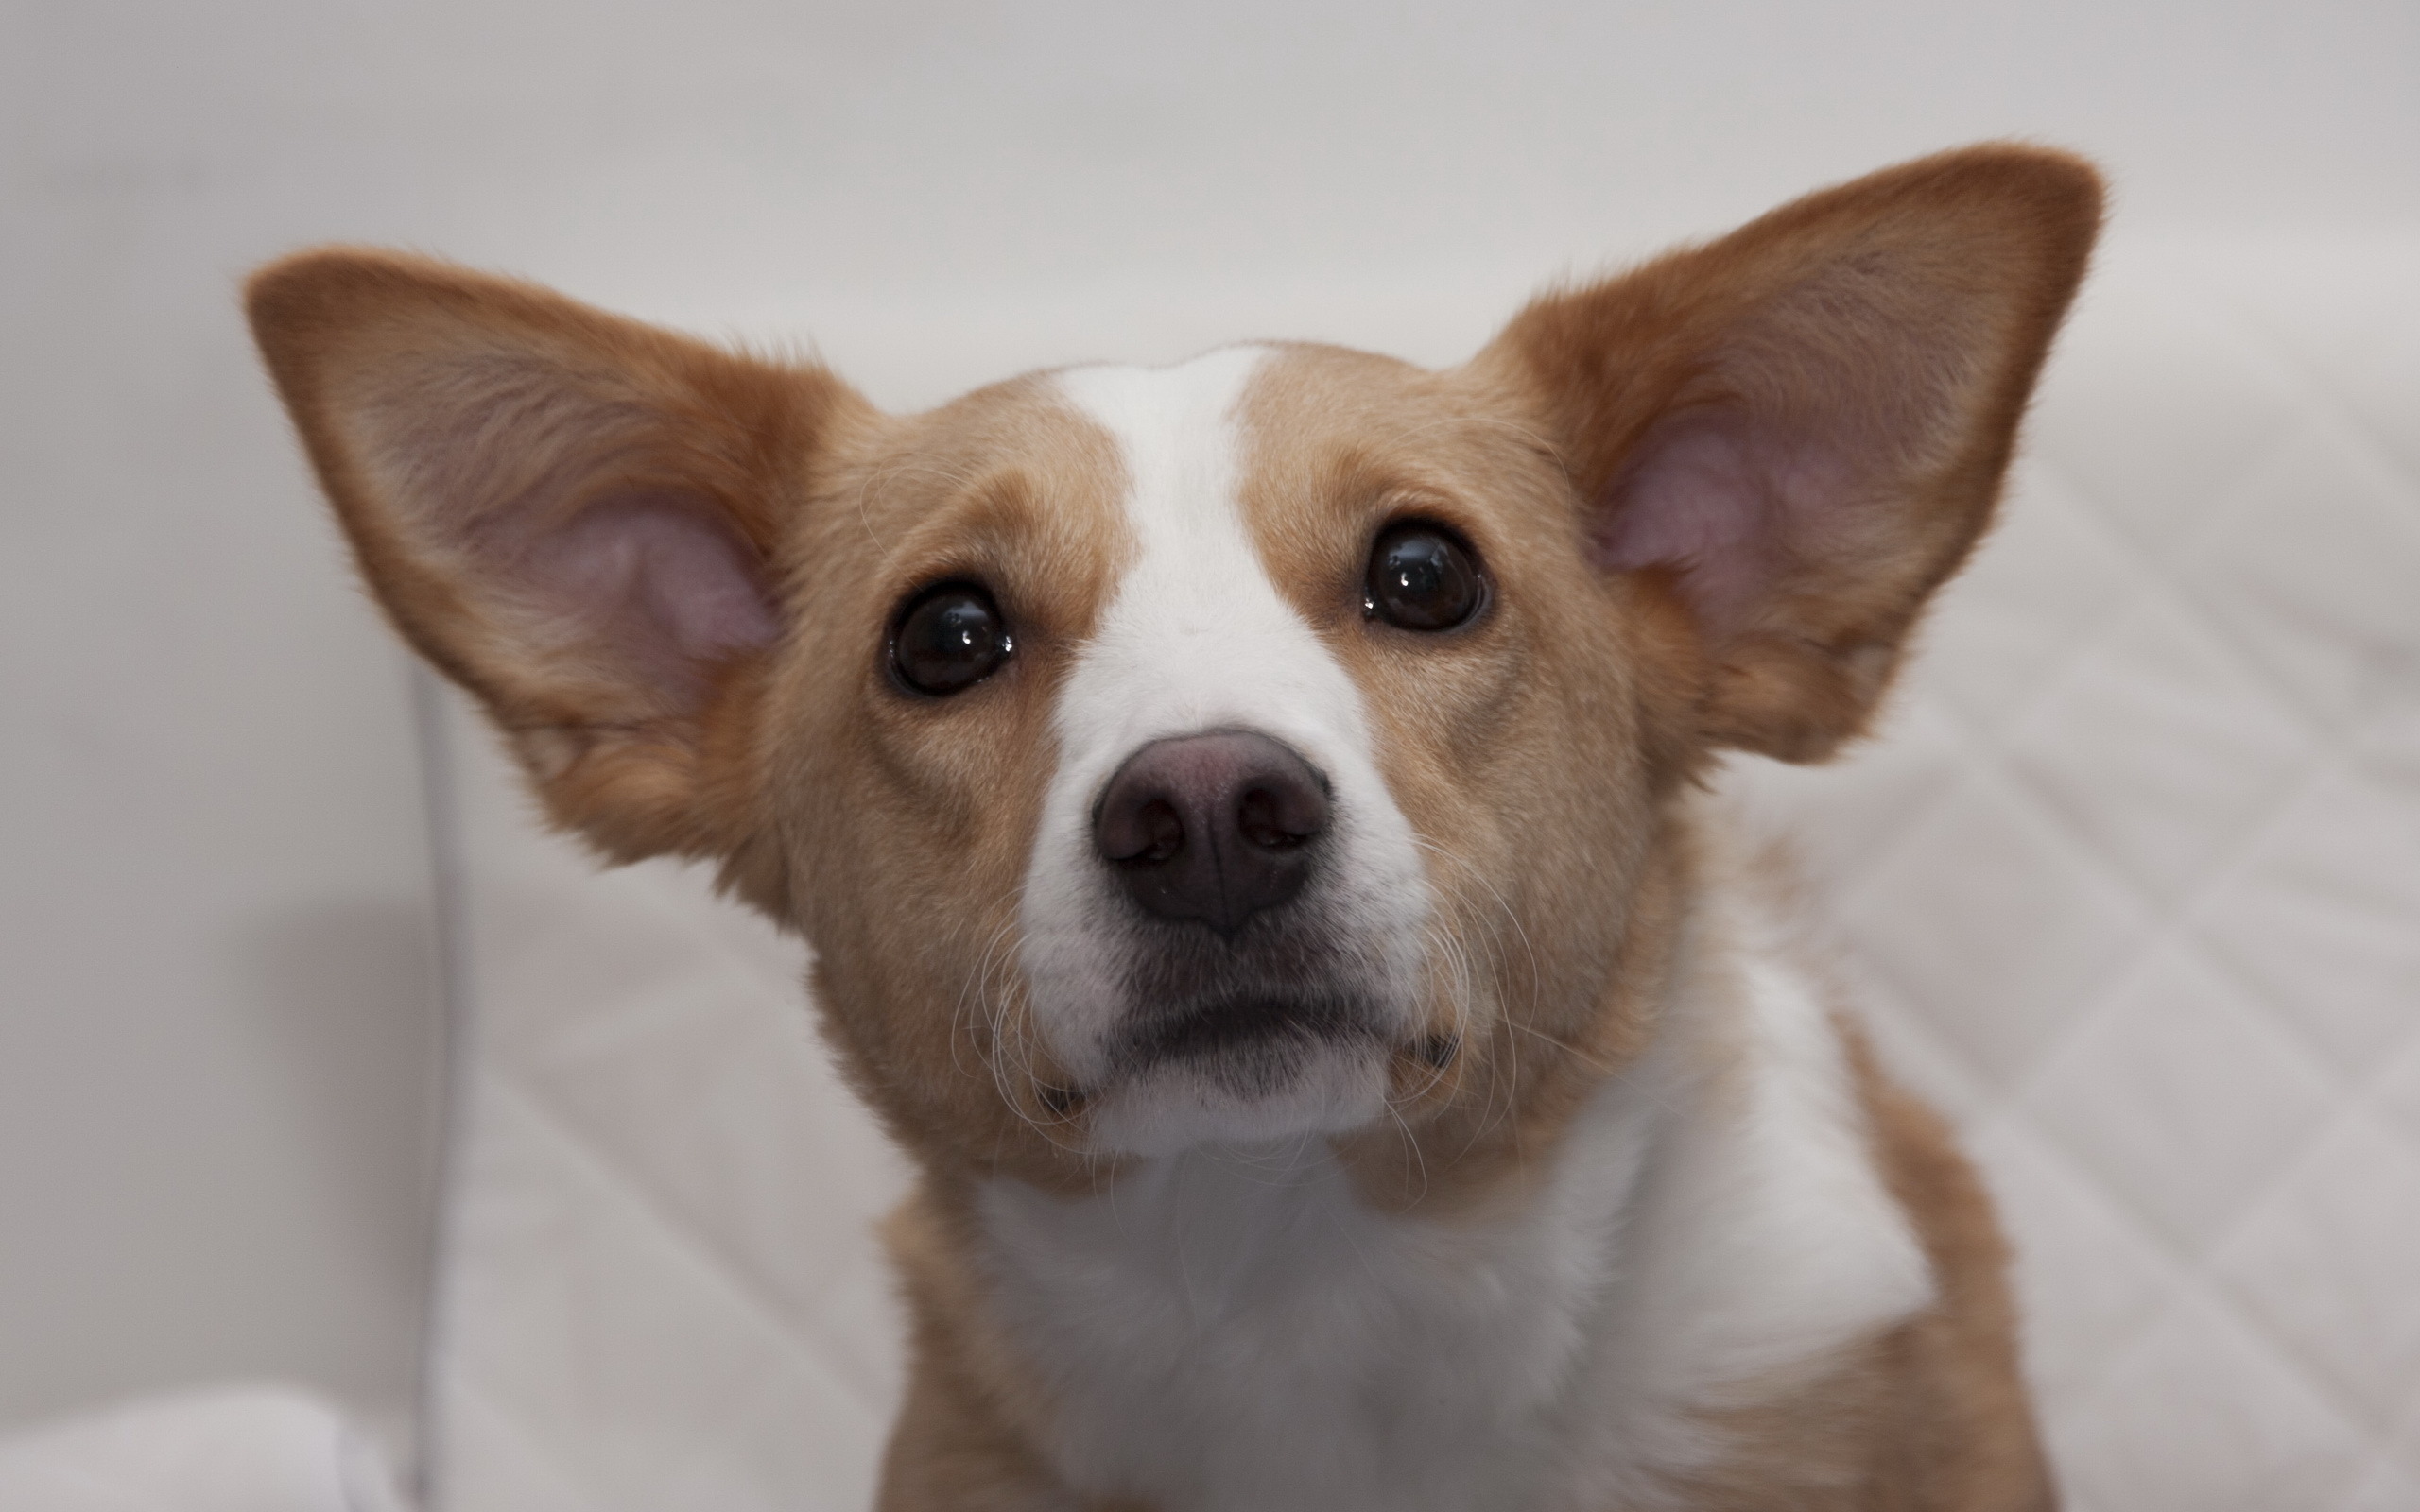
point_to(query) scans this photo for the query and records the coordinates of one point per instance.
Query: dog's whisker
(970, 999)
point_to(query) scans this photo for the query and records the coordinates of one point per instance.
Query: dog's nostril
(1277, 818)
(1256, 816)
(1162, 831)
(1137, 828)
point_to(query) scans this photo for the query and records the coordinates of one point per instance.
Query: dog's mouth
(1244, 1066)
(1249, 1045)
(1293, 1031)
(1254, 1026)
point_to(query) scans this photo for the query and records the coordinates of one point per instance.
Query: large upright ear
(571, 514)
(1801, 429)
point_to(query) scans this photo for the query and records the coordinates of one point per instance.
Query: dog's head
(1280, 742)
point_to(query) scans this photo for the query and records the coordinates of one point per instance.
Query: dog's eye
(951, 638)
(1423, 578)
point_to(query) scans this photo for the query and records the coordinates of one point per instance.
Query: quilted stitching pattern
(662, 1289)
(2132, 886)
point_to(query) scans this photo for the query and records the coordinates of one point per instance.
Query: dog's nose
(1211, 827)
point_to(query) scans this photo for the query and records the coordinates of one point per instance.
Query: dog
(1250, 817)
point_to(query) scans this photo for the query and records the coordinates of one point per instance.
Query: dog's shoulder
(1922, 1412)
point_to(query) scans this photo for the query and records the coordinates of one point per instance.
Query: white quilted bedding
(2133, 883)
(229, 1449)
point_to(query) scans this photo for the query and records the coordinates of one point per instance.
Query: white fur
(1234, 1331)
(1197, 637)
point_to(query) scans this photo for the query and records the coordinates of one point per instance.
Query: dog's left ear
(575, 516)
(1802, 428)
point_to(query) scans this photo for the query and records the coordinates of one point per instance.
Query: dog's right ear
(573, 515)
(1801, 429)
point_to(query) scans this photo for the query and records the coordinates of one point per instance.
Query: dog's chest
(1233, 1333)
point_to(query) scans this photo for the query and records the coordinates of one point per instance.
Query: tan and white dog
(1248, 816)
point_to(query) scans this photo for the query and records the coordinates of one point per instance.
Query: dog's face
(1278, 743)
(1209, 742)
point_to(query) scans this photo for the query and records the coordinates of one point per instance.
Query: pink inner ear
(1727, 507)
(665, 587)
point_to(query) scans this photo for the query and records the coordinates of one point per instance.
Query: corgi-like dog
(1249, 817)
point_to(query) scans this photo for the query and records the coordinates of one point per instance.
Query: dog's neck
(1245, 1328)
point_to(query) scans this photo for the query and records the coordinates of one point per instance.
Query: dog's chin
(1248, 1065)
(1253, 1095)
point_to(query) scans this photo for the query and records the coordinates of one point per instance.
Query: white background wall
(218, 1031)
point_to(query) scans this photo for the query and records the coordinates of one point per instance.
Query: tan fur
(1988, 264)
(1544, 754)
(366, 346)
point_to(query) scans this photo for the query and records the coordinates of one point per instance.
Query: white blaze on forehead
(1195, 637)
